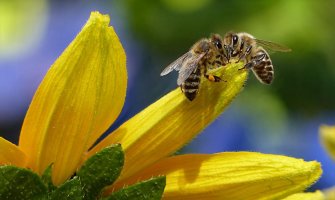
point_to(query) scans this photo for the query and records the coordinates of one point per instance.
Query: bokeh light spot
(22, 24)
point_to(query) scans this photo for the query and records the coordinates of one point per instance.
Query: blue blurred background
(282, 118)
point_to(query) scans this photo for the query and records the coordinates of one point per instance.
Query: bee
(204, 54)
(243, 46)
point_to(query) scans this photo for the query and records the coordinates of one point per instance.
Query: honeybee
(202, 55)
(243, 46)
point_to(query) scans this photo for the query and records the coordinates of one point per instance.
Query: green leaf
(46, 178)
(101, 170)
(151, 189)
(18, 183)
(70, 190)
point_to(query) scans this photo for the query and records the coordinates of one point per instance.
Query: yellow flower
(329, 193)
(306, 196)
(231, 175)
(75, 103)
(327, 135)
(83, 93)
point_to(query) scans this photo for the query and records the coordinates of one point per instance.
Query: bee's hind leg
(213, 78)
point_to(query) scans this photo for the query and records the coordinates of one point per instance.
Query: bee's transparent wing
(188, 67)
(272, 46)
(177, 64)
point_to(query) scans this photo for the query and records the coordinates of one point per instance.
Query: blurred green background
(282, 118)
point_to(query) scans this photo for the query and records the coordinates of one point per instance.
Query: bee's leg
(227, 54)
(218, 61)
(213, 78)
(243, 56)
(254, 61)
(181, 88)
(218, 64)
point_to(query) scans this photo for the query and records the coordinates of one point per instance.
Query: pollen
(211, 78)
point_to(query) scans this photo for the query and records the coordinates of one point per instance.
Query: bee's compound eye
(235, 38)
(218, 44)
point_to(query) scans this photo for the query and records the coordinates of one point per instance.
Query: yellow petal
(172, 121)
(307, 196)
(80, 96)
(329, 193)
(327, 135)
(10, 154)
(231, 175)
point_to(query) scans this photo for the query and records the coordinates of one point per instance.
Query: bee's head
(218, 44)
(230, 43)
(217, 41)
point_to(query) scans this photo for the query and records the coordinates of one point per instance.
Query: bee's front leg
(244, 54)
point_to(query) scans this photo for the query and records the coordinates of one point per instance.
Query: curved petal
(80, 96)
(329, 193)
(172, 121)
(327, 135)
(307, 196)
(10, 154)
(226, 175)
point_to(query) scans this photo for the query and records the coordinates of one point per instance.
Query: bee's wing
(188, 67)
(272, 46)
(177, 64)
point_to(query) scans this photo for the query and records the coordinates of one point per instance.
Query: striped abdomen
(191, 85)
(264, 69)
